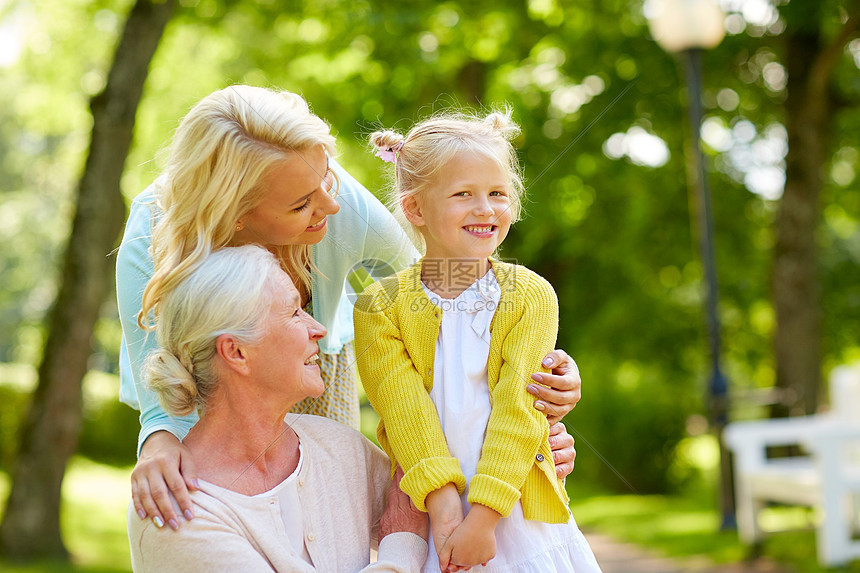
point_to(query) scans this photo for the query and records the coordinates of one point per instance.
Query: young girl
(444, 346)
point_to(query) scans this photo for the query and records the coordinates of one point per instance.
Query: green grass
(93, 517)
(687, 526)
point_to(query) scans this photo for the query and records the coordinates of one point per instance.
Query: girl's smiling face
(465, 212)
(296, 201)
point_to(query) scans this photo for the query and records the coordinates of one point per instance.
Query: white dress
(462, 398)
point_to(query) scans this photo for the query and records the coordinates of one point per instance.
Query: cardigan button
(310, 537)
(539, 457)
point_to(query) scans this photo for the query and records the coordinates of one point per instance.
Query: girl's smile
(481, 231)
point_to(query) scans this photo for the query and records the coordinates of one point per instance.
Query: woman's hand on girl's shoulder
(564, 386)
(165, 466)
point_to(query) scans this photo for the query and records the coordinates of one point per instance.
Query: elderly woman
(277, 492)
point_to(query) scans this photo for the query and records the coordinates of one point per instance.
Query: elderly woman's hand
(564, 386)
(401, 514)
(164, 466)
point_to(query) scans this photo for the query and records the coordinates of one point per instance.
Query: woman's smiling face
(296, 201)
(285, 361)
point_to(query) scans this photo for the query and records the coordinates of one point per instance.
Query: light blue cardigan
(362, 233)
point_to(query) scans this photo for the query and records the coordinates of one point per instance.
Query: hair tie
(390, 155)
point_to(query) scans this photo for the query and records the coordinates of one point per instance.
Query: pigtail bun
(385, 139)
(502, 123)
(171, 380)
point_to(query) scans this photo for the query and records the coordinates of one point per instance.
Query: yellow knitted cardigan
(396, 327)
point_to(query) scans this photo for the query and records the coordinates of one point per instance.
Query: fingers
(445, 558)
(179, 488)
(558, 359)
(159, 490)
(165, 466)
(563, 452)
(554, 404)
(564, 470)
(136, 500)
(189, 476)
(149, 491)
(147, 502)
(398, 475)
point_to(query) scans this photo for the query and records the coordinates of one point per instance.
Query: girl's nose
(483, 207)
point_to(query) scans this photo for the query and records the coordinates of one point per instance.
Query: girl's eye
(497, 194)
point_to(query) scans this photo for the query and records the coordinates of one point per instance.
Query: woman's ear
(233, 353)
(412, 209)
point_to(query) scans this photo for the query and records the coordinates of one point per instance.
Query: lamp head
(679, 25)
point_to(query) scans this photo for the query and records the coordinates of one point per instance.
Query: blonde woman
(251, 165)
(237, 347)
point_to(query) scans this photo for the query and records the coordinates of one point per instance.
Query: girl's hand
(446, 514)
(564, 386)
(473, 542)
(164, 465)
(563, 453)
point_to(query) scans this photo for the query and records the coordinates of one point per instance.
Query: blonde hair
(228, 292)
(220, 152)
(436, 141)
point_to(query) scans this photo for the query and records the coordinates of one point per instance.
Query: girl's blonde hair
(436, 141)
(220, 152)
(228, 292)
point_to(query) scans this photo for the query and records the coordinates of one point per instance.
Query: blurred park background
(609, 220)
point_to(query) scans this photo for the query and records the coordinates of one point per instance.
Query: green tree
(813, 48)
(30, 526)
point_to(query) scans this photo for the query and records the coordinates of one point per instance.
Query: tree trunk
(809, 113)
(49, 434)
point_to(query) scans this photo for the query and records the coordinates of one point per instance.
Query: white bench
(828, 479)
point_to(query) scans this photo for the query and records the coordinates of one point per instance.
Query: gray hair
(229, 292)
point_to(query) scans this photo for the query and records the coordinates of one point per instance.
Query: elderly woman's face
(286, 359)
(297, 199)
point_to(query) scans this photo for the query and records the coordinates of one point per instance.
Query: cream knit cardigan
(342, 488)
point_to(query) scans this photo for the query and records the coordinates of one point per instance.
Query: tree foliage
(607, 214)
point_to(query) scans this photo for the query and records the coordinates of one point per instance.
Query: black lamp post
(687, 27)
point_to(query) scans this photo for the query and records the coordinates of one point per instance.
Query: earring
(238, 227)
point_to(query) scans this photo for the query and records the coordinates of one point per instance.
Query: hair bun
(172, 381)
(385, 139)
(503, 123)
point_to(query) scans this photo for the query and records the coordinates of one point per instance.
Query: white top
(287, 493)
(461, 394)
